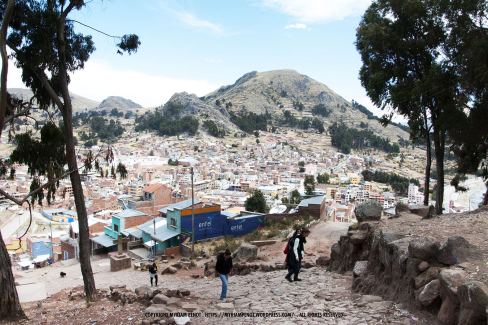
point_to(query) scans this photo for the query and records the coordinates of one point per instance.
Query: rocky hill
(79, 103)
(277, 91)
(120, 103)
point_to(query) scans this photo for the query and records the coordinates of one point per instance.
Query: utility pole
(192, 215)
(52, 247)
(154, 241)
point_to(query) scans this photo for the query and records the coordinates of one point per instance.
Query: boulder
(429, 293)
(427, 276)
(246, 252)
(424, 248)
(118, 287)
(423, 266)
(426, 212)
(160, 299)
(322, 261)
(368, 211)
(450, 280)
(448, 312)
(455, 250)
(169, 270)
(359, 268)
(142, 291)
(358, 237)
(474, 303)
(152, 292)
(399, 208)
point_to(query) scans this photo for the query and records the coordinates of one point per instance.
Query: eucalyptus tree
(47, 48)
(405, 68)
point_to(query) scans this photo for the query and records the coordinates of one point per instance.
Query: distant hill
(119, 103)
(193, 106)
(79, 103)
(275, 92)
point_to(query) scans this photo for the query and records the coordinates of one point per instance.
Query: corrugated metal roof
(162, 232)
(134, 232)
(180, 205)
(103, 240)
(129, 213)
(313, 200)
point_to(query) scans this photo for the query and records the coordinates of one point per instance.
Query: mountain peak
(119, 103)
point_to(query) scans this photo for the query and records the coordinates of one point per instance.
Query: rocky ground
(322, 298)
(433, 263)
(472, 226)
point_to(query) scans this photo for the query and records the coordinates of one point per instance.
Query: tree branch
(44, 80)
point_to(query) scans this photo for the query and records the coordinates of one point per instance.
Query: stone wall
(415, 270)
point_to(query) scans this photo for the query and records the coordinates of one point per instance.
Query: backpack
(287, 247)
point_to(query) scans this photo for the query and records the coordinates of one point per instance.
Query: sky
(199, 45)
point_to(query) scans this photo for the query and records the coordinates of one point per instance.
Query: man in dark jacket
(295, 254)
(153, 273)
(223, 268)
(292, 257)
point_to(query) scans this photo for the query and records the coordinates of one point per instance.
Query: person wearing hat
(223, 268)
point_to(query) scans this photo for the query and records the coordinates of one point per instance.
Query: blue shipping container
(207, 225)
(243, 225)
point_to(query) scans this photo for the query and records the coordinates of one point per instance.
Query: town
(226, 173)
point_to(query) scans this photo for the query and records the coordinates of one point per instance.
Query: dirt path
(322, 236)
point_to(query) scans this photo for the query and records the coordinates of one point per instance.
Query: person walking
(301, 251)
(153, 274)
(223, 268)
(292, 256)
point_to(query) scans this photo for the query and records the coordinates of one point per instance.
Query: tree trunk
(485, 199)
(10, 308)
(439, 140)
(84, 239)
(428, 166)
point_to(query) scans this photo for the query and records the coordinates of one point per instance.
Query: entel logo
(205, 224)
(235, 228)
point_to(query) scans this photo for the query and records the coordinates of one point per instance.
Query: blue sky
(199, 45)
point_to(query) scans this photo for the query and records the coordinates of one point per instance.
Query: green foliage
(172, 162)
(321, 109)
(256, 202)
(309, 184)
(43, 156)
(128, 43)
(104, 130)
(250, 122)
(168, 121)
(397, 182)
(295, 197)
(305, 123)
(301, 163)
(122, 170)
(345, 139)
(213, 129)
(323, 178)
(298, 105)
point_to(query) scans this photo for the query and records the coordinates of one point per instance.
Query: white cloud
(296, 26)
(99, 80)
(198, 23)
(313, 11)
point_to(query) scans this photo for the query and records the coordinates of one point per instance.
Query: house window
(173, 222)
(116, 228)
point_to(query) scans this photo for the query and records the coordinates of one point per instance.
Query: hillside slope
(280, 90)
